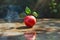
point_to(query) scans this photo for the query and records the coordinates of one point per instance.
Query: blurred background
(44, 8)
(13, 10)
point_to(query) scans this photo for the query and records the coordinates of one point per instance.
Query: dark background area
(43, 8)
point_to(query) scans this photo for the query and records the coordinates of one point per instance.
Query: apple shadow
(23, 27)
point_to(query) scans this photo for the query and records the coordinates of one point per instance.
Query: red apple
(30, 21)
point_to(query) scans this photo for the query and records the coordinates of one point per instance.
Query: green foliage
(28, 11)
(35, 14)
(53, 6)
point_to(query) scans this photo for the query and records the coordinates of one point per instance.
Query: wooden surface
(14, 31)
(40, 27)
(11, 32)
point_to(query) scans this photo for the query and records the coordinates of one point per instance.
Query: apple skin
(30, 21)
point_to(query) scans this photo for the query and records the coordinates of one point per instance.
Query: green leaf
(28, 11)
(35, 14)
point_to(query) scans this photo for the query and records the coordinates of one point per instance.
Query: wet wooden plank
(17, 33)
